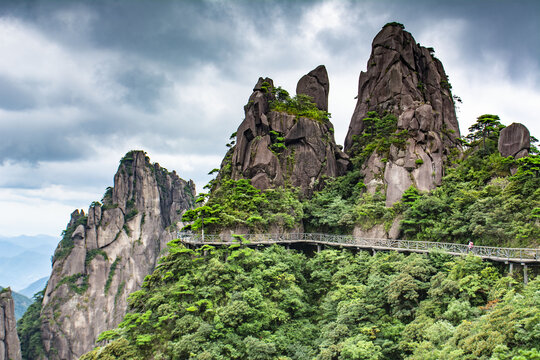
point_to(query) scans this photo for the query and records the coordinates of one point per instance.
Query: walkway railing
(486, 252)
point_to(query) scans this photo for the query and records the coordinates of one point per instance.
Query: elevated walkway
(521, 256)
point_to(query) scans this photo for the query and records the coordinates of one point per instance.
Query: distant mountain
(21, 303)
(23, 269)
(45, 243)
(34, 287)
(7, 247)
(17, 252)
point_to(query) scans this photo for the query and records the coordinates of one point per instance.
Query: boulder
(514, 140)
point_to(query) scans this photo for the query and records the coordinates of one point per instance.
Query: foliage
(479, 200)
(91, 254)
(29, 330)
(77, 283)
(238, 203)
(277, 142)
(378, 135)
(112, 271)
(394, 23)
(331, 210)
(487, 129)
(299, 105)
(238, 303)
(66, 244)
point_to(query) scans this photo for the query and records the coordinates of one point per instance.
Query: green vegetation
(91, 254)
(479, 199)
(299, 105)
(131, 214)
(343, 203)
(77, 283)
(29, 330)
(238, 303)
(66, 244)
(278, 142)
(332, 210)
(112, 270)
(237, 203)
(393, 23)
(378, 135)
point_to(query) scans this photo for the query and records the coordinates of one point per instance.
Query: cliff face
(9, 341)
(105, 255)
(406, 80)
(275, 148)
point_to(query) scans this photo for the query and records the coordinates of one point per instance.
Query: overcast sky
(83, 82)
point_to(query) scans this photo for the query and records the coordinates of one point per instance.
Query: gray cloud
(83, 82)
(15, 96)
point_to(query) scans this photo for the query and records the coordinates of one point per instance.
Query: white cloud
(492, 91)
(22, 213)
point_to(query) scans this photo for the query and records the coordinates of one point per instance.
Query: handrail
(495, 253)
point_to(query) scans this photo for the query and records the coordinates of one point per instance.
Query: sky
(84, 82)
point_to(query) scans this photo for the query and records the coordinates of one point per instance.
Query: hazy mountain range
(25, 260)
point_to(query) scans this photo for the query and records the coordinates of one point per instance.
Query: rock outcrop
(275, 148)
(515, 140)
(406, 80)
(10, 348)
(106, 254)
(315, 84)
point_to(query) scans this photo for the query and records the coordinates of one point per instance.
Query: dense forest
(241, 303)
(273, 303)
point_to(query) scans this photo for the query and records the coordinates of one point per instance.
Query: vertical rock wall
(276, 148)
(406, 80)
(107, 253)
(9, 341)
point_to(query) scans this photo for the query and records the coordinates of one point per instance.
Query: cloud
(82, 83)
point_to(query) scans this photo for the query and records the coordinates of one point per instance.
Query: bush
(299, 105)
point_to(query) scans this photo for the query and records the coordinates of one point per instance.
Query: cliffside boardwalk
(522, 256)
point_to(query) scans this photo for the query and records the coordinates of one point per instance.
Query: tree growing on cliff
(486, 127)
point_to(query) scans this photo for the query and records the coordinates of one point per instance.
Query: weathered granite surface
(315, 84)
(112, 249)
(406, 80)
(276, 148)
(10, 348)
(515, 140)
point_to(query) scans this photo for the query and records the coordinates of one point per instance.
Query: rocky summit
(9, 341)
(407, 81)
(105, 255)
(280, 143)
(316, 85)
